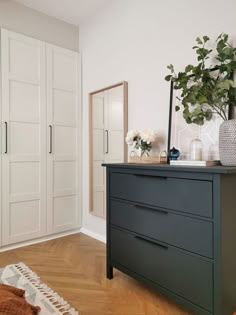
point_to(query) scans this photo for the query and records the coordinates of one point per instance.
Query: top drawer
(186, 195)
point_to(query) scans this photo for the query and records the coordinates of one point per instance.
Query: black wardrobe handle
(152, 242)
(6, 135)
(106, 131)
(50, 128)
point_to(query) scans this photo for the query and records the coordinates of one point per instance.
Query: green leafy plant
(207, 89)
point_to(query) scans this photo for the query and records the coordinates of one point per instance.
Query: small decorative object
(174, 154)
(207, 92)
(141, 140)
(196, 149)
(227, 142)
(163, 156)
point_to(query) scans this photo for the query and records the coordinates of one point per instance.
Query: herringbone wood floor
(74, 266)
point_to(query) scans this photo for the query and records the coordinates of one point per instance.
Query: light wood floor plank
(74, 266)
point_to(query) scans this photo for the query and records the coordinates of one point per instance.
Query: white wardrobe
(40, 143)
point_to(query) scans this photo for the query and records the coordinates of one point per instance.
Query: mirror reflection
(108, 128)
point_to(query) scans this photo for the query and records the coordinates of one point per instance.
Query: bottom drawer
(184, 274)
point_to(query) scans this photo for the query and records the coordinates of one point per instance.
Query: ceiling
(70, 11)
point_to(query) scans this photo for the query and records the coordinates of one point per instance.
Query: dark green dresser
(175, 229)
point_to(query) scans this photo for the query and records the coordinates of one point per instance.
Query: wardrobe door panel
(64, 69)
(62, 217)
(116, 140)
(23, 138)
(64, 107)
(64, 177)
(24, 102)
(116, 125)
(116, 108)
(98, 145)
(98, 188)
(64, 143)
(24, 57)
(24, 178)
(98, 114)
(27, 209)
(99, 148)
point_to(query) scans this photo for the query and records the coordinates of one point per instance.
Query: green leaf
(188, 68)
(177, 108)
(202, 99)
(225, 85)
(225, 37)
(208, 115)
(199, 41)
(203, 52)
(219, 37)
(232, 65)
(220, 46)
(199, 121)
(228, 51)
(205, 39)
(168, 77)
(171, 68)
(232, 92)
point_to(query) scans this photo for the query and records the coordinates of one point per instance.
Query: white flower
(130, 136)
(148, 135)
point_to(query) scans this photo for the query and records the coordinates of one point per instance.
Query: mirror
(108, 122)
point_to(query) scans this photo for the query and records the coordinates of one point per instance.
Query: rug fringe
(57, 301)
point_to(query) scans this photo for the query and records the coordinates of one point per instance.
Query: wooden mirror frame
(125, 128)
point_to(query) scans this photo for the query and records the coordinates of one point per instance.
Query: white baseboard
(93, 235)
(39, 240)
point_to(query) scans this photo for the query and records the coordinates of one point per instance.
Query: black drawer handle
(150, 176)
(152, 208)
(152, 242)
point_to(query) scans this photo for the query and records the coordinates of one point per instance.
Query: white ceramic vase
(227, 143)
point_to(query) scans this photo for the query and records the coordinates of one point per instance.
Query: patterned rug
(36, 292)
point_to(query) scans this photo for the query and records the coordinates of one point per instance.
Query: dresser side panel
(228, 242)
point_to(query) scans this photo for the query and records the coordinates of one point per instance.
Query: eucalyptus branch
(201, 85)
(220, 112)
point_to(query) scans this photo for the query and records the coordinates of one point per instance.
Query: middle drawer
(185, 232)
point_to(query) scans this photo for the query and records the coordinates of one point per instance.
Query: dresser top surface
(167, 167)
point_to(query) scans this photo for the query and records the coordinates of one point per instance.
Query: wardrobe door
(64, 143)
(23, 138)
(99, 149)
(115, 123)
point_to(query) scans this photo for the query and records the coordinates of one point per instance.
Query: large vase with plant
(207, 89)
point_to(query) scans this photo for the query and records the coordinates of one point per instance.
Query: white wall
(135, 40)
(18, 18)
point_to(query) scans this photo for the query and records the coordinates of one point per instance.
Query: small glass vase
(143, 153)
(196, 150)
